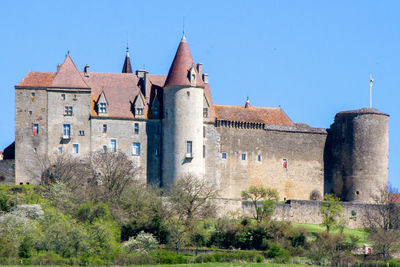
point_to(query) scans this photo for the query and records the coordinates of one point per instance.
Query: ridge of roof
(180, 67)
(68, 76)
(37, 79)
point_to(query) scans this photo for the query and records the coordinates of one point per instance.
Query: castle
(169, 126)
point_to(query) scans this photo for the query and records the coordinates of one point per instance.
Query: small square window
(104, 128)
(75, 148)
(243, 156)
(223, 155)
(33, 94)
(35, 149)
(60, 150)
(104, 149)
(62, 96)
(258, 157)
(139, 111)
(35, 129)
(136, 130)
(81, 132)
(30, 112)
(136, 149)
(103, 107)
(68, 111)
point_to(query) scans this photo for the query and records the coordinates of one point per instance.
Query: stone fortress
(168, 125)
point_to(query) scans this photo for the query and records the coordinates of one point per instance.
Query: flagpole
(371, 80)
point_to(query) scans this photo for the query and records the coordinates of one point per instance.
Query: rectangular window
(189, 146)
(103, 107)
(75, 148)
(66, 131)
(136, 149)
(284, 163)
(139, 111)
(104, 150)
(68, 111)
(113, 145)
(60, 150)
(204, 131)
(243, 156)
(205, 112)
(81, 132)
(104, 128)
(204, 151)
(136, 128)
(258, 157)
(223, 155)
(35, 129)
(62, 96)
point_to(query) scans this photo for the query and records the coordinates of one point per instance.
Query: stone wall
(30, 109)
(299, 211)
(7, 171)
(255, 157)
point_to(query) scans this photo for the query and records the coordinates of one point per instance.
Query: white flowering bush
(142, 243)
(32, 211)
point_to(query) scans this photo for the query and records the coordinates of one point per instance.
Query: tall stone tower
(182, 124)
(360, 147)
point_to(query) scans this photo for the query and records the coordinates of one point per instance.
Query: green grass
(317, 228)
(215, 264)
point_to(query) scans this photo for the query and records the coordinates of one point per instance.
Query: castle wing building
(168, 125)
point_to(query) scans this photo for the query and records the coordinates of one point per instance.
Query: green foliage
(25, 248)
(168, 257)
(278, 253)
(89, 212)
(246, 256)
(330, 209)
(263, 200)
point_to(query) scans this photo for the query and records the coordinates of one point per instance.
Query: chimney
(200, 68)
(86, 70)
(205, 78)
(143, 78)
(58, 67)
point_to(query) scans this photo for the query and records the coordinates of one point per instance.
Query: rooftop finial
(127, 49)
(247, 105)
(183, 30)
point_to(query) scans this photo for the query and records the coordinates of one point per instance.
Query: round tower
(182, 124)
(360, 148)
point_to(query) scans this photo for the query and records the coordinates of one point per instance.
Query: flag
(371, 80)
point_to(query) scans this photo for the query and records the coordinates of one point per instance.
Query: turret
(360, 147)
(182, 122)
(127, 68)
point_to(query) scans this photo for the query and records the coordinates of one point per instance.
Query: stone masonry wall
(264, 151)
(299, 211)
(7, 171)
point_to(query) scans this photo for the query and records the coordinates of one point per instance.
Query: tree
(112, 172)
(189, 199)
(331, 209)
(382, 221)
(267, 197)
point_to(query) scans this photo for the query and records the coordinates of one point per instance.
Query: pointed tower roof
(127, 68)
(68, 76)
(179, 70)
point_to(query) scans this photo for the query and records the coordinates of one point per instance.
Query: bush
(247, 256)
(142, 243)
(278, 253)
(47, 258)
(168, 257)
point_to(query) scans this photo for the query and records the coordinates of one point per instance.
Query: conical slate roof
(178, 74)
(127, 68)
(68, 76)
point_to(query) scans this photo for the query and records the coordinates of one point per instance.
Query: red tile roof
(37, 79)
(266, 115)
(68, 76)
(179, 70)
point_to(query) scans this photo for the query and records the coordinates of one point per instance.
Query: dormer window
(192, 76)
(139, 111)
(103, 107)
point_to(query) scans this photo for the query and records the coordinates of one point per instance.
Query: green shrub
(247, 256)
(278, 253)
(47, 258)
(168, 257)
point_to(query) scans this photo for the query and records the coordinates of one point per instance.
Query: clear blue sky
(313, 58)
